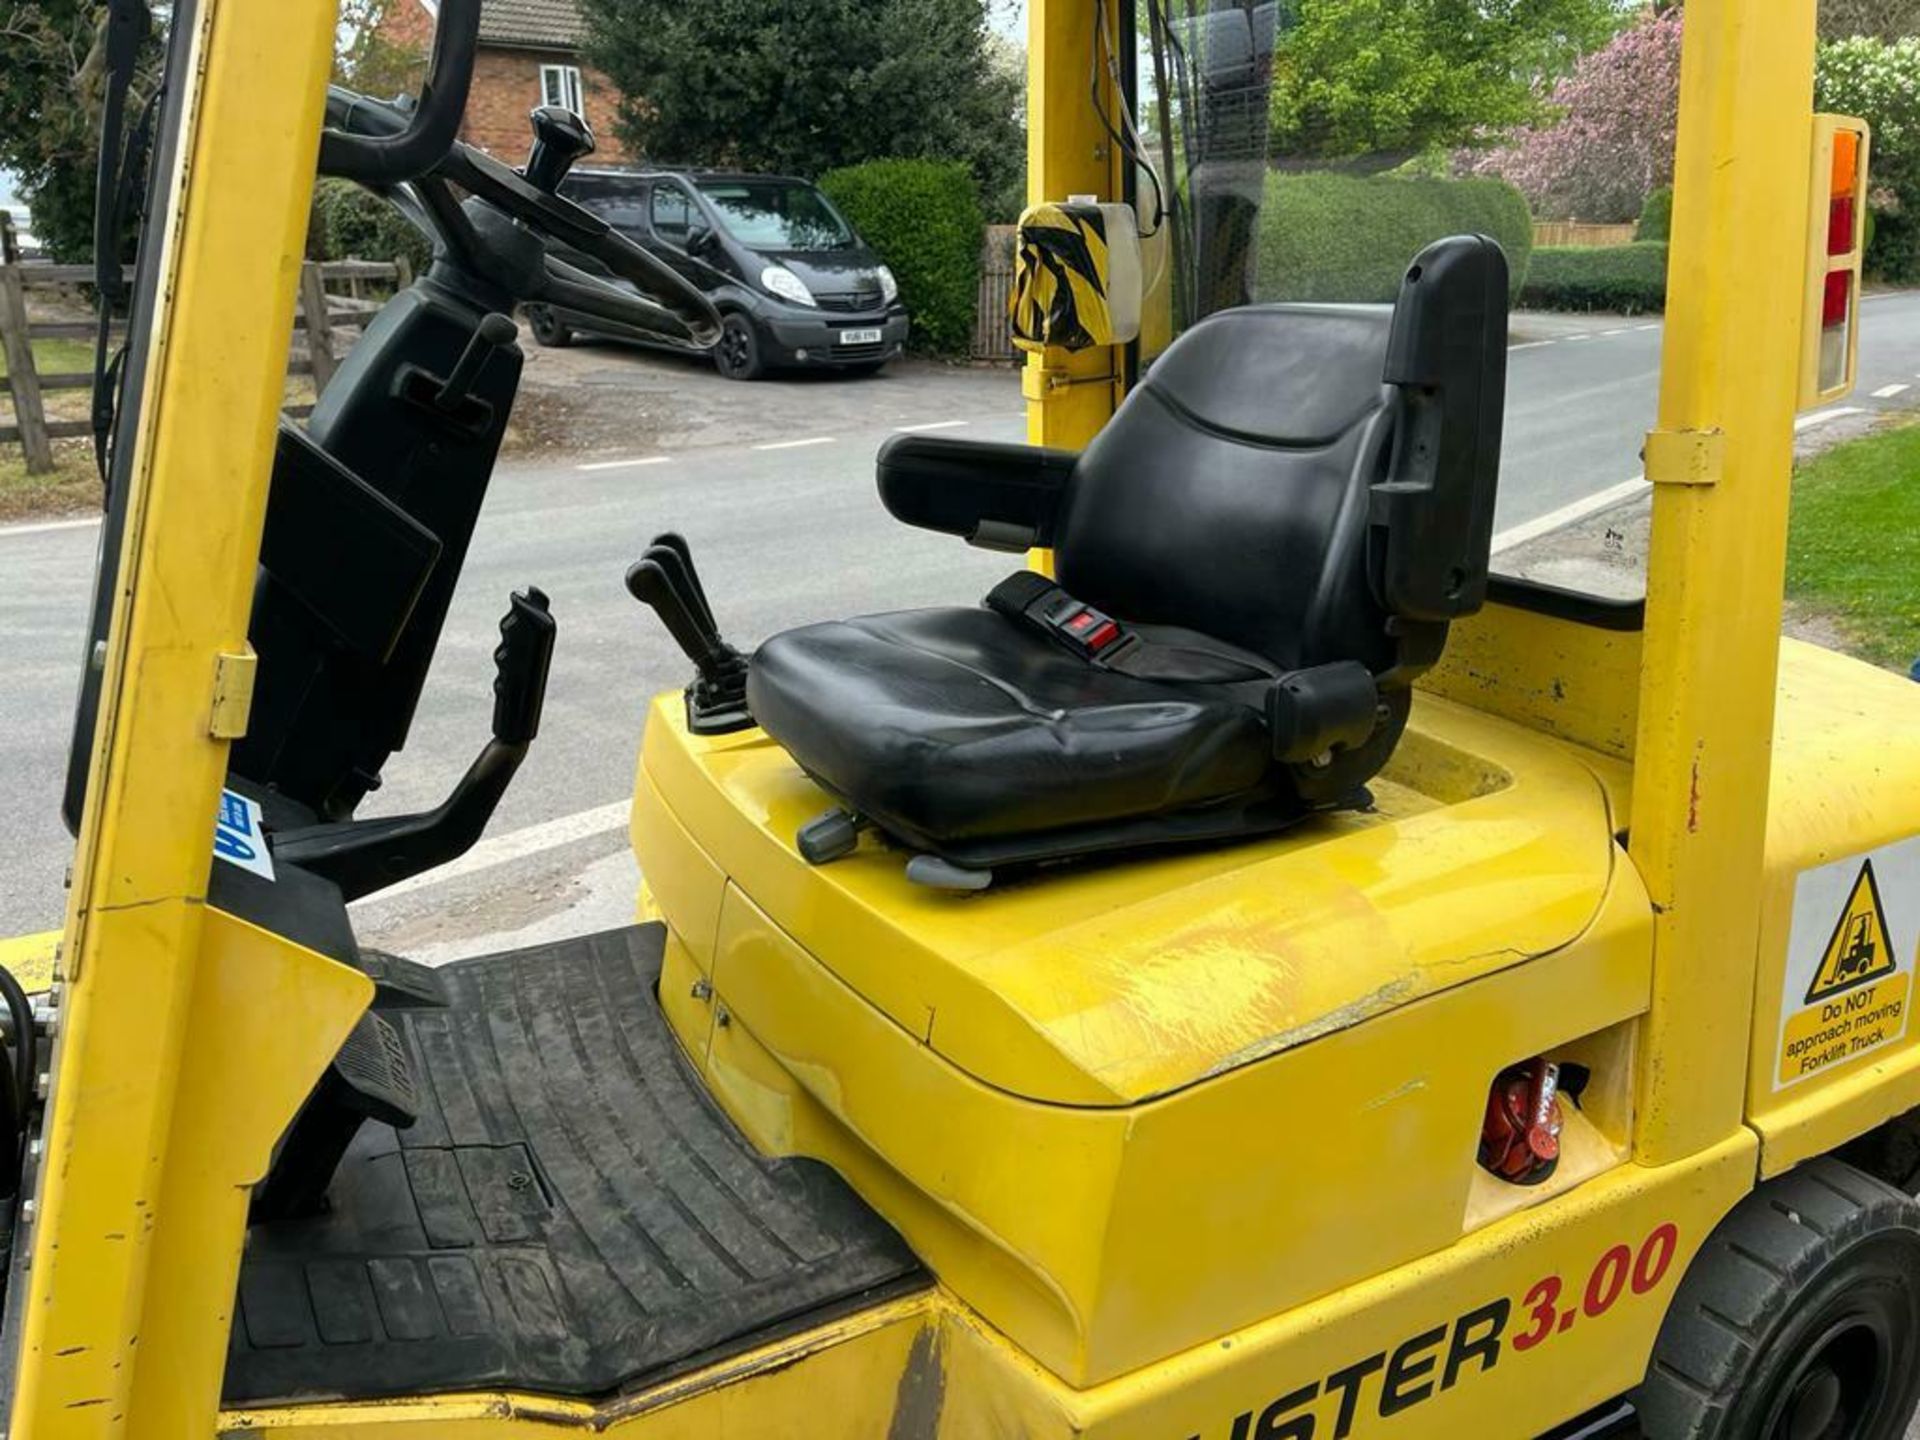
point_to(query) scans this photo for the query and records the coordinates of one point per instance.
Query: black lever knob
(560, 137)
(495, 332)
(520, 666)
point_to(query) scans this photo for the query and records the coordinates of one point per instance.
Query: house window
(560, 85)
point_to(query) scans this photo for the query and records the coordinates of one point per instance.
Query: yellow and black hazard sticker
(1850, 961)
(1059, 294)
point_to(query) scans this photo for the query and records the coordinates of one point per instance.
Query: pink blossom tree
(1612, 143)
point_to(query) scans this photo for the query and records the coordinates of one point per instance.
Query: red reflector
(1840, 227)
(1080, 623)
(1103, 637)
(1839, 303)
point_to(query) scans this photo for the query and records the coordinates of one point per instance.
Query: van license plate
(858, 337)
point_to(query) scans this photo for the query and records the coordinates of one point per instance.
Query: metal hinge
(1685, 457)
(232, 694)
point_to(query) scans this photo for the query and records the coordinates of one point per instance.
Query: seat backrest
(1290, 478)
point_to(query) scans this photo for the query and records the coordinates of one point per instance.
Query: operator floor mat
(570, 1214)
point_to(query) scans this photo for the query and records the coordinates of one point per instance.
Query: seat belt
(1164, 653)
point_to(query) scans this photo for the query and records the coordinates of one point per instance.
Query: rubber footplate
(570, 1214)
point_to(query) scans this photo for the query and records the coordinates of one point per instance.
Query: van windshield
(778, 215)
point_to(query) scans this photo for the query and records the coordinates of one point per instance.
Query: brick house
(529, 55)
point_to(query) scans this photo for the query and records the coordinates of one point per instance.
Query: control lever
(560, 137)
(665, 579)
(676, 545)
(496, 332)
(362, 856)
(452, 399)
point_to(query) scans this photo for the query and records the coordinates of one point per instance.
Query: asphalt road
(786, 530)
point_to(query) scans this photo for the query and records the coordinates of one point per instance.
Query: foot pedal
(402, 984)
(370, 1079)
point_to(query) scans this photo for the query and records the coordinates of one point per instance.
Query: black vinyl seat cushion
(955, 725)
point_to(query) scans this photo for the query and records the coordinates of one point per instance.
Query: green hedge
(924, 218)
(1627, 279)
(352, 224)
(1656, 216)
(1346, 237)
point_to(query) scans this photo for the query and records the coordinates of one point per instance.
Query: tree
(1611, 143)
(52, 89)
(809, 85)
(1878, 19)
(1880, 82)
(372, 54)
(1393, 78)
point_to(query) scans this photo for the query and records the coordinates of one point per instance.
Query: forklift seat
(1255, 559)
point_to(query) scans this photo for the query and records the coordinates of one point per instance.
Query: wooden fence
(992, 340)
(317, 349)
(1574, 232)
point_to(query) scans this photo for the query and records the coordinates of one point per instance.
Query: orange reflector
(1846, 163)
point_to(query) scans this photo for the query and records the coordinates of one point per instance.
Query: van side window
(622, 204)
(672, 213)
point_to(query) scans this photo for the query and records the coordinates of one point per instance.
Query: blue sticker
(238, 836)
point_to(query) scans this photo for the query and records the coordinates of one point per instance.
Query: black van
(794, 281)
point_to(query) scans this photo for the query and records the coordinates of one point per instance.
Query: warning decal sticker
(1850, 961)
(1858, 951)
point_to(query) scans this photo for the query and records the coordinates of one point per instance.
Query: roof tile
(549, 24)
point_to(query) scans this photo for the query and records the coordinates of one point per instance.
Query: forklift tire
(547, 329)
(1799, 1319)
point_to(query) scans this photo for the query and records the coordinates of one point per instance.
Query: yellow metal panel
(267, 1017)
(1107, 984)
(1577, 682)
(238, 200)
(849, 1378)
(1718, 553)
(1055, 1226)
(1846, 780)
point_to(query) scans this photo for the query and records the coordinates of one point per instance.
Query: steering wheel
(410, 152)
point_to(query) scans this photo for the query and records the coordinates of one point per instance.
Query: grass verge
(72, 489)
(1853, 552)
(57, 357)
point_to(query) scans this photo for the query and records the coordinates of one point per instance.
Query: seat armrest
(994, 494)
(1313, 713)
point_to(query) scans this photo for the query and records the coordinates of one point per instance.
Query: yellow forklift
(1258, 977)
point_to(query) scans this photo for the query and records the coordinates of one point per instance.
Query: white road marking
(1611, 333)
(623, 464)
(1567, 514)
(47, 526)
(796, 444)
(516, 845)
(1821, 417)
(1626, 490)
(929, 425)
(1572, 338)
(1530, 345)
(1887, 392)
(1654, 326)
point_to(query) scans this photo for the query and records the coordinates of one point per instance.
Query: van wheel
(1799, 1319)
(547, 328)
(737, 352)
